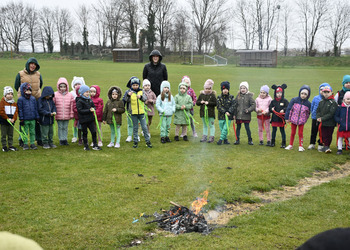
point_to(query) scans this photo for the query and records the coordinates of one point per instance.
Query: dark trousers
(6, 131)
(247, 129)
(327, 134)
(283, 133)
(314, 131)
(92, 128)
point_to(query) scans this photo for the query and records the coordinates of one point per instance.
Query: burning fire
(200, 202)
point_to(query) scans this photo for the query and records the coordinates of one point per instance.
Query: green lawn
(67, 198)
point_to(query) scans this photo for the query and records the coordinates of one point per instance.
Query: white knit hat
(7, 90)
(245, 84)
(77, 80)
(146, 82)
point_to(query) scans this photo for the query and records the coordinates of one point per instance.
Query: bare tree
(83, 15)
(150, 9)
(32, 23)
(287, 29)
(244, 16)
(64, 24)
(312, 15)
(179, 35)
(339, 26)
(209, 18)
(48, 27)
(14, 23)
(164, 18)
(131, 22)
(100, 26)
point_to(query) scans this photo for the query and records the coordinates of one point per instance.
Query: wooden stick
(175, 204)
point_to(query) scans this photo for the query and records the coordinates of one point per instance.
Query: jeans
(47, 134)
(135, 120)
(62, 130)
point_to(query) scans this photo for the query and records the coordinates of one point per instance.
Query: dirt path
(231, 210)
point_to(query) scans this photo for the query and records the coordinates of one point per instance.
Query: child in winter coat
(346, 87)
(64, 105)
(245, 106)
(135, 98)
(76, 83)
(325, 116)
(226, 105)
(95, 97)
(128, 115)
(207, 102)
(112, 114)
(165, 105)
(151, 100)
(28, 114)
(183, 106)
(47, 112)
(314, 127)
(8, 113)
(342, 117)
(262, 103)
(277, 108)
(192, 94)
(86, 108)
(297, 113)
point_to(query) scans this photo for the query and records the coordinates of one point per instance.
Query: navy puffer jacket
(46, 106)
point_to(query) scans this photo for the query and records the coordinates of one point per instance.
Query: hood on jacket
(62, 80)
(134, 80)
(307, 87)
(346, 79)
(128, 85)
(24, 87)
(321, 87)
(98, 91)
(163, 85)
(119, 91)
(182, 84)
(77, 80)
(275, 87)
(155, 53)
(47, 90)
(32, 60)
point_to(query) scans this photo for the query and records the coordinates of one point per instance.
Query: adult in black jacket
(155, 71)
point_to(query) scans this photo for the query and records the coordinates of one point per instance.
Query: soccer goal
(214, 60)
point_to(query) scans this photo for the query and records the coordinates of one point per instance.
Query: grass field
(70, 199)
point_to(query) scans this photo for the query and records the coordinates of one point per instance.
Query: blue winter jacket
(342, 117)
(27, 107)
(316, 100)
(46, 106)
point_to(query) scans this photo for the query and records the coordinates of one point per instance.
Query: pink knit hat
(208, 84)
(347, 95)
(188, 79)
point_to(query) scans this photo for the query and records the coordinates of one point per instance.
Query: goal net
(214, 60)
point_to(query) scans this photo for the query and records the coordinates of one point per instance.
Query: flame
(200, 202)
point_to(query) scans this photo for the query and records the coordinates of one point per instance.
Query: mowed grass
(70, 199)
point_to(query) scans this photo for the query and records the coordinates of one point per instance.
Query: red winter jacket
(98, 103)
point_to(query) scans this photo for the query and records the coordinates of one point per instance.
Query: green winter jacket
(326, 110)
(182, 99)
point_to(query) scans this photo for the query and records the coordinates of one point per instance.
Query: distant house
(127, 55)
(257, 58)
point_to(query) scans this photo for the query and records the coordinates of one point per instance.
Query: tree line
(204, 25)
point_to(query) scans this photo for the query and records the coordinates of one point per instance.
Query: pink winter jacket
(64, 102)
(98, 103)
(262, 104)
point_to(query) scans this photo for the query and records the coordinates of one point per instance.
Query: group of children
(84, 105)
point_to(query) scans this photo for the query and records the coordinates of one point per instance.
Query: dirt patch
(286, 192)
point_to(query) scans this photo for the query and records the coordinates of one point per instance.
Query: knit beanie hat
(164, 85)
(184, 78)
(146, 82)
(347, 95)
(7, 90)
(225, 85)
(135, 80)
(245, 84)
(346, 79)
(209, 84)
(77, 80)
(265, 88)
(83, 89)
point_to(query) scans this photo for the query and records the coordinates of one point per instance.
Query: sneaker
(320, 148)
(268, 143)
(92, 144)
(110, 145)
(100, 144)
(25, 147)
(46, 146)
(61, 143)
(289, 147)
(195, 135)
(162, 140)
(135, 145)
(74, 139)
(117, 145)
(96, 148)
(250, 142)
(32, 146)
(327, 150)
(148, 144)
(236, 142)
(339, 152)
(261, 143)
(219, 142)
(311, 146)
(5, 149)
(226, 142)
(211, 139)
(176, 138)
(52, 145)
(204, 138)
(301, 149)
(12, 148)
(167, 139)
(185, 138)
(129, 139)
(80, 142)
(86, 148)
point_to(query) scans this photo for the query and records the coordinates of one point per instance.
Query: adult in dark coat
(155, 71)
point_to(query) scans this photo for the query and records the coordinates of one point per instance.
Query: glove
(21, 123)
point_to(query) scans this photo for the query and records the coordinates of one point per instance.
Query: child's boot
(176, 138)
(204, 138)
(250, 141)
(219, 142)
(272, 142)
(136, 144)
(283, 145)
(236, 142)
(226, 142)
(261, 143)
(167, 139)
(268, 144)
(211, 139)
(162, 140)
(185, 138)
(148, 144)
